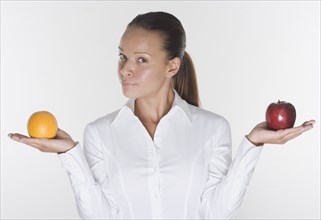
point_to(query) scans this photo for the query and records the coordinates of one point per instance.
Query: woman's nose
(126, 69)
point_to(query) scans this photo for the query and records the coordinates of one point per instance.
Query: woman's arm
(228, 180)
(87, 174)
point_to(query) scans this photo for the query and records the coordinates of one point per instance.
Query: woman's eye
(122, 57)
(142, 60)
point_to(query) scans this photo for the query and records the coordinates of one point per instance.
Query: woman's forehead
(141, 39)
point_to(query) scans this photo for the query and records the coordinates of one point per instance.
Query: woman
(160, 155)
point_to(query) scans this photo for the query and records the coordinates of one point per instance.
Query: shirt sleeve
(228, 180)
(88, 177)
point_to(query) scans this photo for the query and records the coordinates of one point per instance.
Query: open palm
(61, 143)
(262, 135)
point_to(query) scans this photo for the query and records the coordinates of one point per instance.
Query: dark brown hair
(185, 81)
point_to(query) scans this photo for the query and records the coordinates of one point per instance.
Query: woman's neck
(152, 109)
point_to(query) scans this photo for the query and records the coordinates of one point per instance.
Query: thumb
(61, 134)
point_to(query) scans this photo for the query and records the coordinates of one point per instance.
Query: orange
(42, 124)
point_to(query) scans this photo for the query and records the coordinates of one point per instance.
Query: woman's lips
(127, 84)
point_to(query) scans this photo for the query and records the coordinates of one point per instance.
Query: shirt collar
(178, 102)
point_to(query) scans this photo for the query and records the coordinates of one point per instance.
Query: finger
(295, 129)
(18, 137)
(262, 125)
(296, 133)
(290, 137)
(62, 134)
(34, 142)
(311, 122)
(42, 144)
(38, 141)
(282, 134)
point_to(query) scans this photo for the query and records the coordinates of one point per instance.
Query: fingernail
(9, 135)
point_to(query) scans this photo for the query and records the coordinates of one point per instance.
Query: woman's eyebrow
(138, 52)
(141, 52)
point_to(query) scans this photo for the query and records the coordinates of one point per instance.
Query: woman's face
(143, 67)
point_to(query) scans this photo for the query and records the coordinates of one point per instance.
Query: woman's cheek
(144, 75)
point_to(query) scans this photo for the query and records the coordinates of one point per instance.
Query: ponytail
(185, 81)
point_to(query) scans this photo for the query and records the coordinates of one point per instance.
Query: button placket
(154, 181)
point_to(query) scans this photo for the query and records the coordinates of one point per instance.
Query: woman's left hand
(262, 135)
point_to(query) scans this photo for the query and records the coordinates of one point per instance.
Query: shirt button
(150, 170)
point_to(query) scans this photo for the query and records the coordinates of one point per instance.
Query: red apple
(280, 115)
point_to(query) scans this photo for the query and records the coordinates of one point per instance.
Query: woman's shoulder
(206, 118)
(105, 120)
(204, 114)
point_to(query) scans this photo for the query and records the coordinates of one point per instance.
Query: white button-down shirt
(185, 172)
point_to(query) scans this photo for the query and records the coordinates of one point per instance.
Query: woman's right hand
(60, 144)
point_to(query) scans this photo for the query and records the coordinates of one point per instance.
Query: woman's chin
(129, 95)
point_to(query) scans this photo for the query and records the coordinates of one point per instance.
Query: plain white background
(62, 57)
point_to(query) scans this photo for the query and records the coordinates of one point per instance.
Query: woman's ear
(173, 66)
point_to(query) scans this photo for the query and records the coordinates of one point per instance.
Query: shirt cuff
(247, 150)
(76, 165)
(249, 144)
(245, 160)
